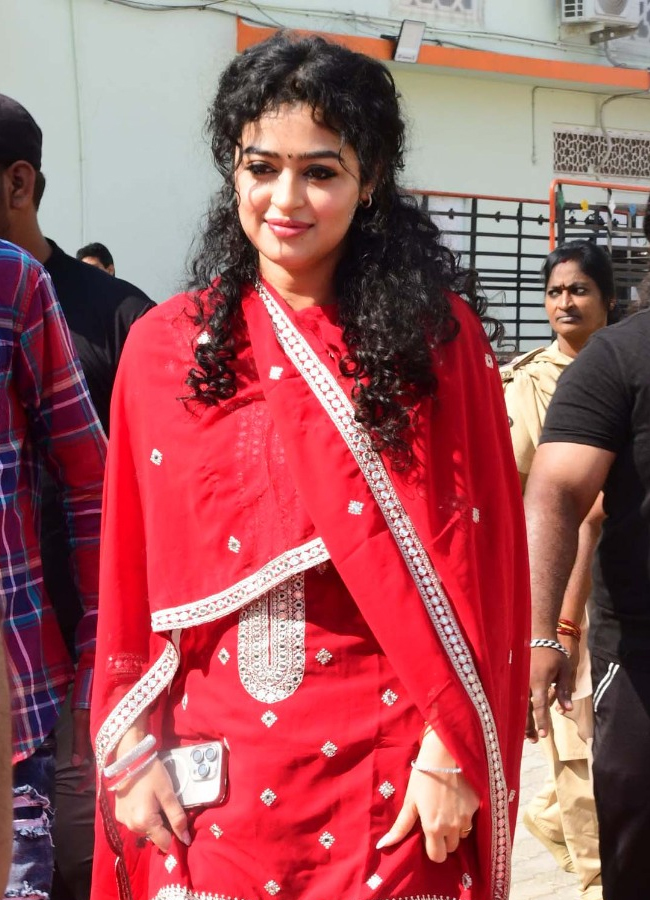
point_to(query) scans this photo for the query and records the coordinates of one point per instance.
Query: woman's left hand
(444, 803)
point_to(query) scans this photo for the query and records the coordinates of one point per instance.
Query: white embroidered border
(178, 892)
(141, 695)
(271, 642)
(270, 575)
(339, 408)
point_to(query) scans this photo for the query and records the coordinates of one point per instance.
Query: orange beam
(484, 61)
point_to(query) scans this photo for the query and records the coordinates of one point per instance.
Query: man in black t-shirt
(597, 437)
(99, 310)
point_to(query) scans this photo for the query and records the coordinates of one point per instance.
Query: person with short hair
(313, 544)
(46, 418)
(99, 310)
(96, 254)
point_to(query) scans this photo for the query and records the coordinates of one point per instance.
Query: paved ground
(535, 874)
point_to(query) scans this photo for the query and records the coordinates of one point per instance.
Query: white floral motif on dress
(329, 749)
(386, 790)
(355, 507)
(326, 839)
(489, 362)
(170, 863)
(268, 797)
(275, 373)
(272, 887)
(374, 881)
(223, 656)
(323, 656)
(389, 697)
(203, 338)
(156, 457)
(476, 515)
(184, 702)
(233, 544)
(216, 831)
(271, 642)
(269, 718)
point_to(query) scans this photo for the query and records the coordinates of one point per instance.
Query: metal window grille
(583, 151)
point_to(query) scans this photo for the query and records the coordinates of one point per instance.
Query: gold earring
(367, 202)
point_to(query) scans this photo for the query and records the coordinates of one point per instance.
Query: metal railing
(607, 219)
(506, 240)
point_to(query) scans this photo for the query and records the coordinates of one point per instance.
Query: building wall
(121, 95)
(122, 107)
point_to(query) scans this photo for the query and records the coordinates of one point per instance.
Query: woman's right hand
(147, 805)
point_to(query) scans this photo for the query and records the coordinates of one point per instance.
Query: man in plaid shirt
(46, 417)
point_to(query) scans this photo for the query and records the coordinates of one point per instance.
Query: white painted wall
(121, 96)
(122, 109)
(476, 136)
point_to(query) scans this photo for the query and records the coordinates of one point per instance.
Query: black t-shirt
(603, 400)
(99, 310)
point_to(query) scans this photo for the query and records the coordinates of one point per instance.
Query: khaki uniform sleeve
(524, 443)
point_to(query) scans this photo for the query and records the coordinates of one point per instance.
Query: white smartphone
(199, 773)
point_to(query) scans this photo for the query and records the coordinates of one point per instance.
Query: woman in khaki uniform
(579, 300)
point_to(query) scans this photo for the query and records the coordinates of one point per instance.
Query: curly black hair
(394, 277)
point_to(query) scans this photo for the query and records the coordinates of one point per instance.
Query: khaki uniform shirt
(529, 384)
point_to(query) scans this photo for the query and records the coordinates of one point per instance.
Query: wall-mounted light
(409, 41)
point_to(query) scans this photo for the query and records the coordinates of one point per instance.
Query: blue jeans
(32, 862)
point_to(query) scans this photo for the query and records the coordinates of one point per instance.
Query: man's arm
(578, 589)
(6, 814)
(564, 483)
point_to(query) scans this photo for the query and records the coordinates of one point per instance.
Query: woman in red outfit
(313, 536)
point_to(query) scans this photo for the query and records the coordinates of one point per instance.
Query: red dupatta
(460, 652)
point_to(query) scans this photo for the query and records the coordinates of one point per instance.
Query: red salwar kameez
(267, 577)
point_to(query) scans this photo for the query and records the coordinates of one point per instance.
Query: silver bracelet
(122, 764)
(435, 770)
(133, 772)
(552, 645)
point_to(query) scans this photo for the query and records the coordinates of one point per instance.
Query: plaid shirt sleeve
(70, 439)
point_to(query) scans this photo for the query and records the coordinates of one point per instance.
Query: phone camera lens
(210, 754)
(203, 770)
(197, 755)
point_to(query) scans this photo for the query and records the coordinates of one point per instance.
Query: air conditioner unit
(601, 12)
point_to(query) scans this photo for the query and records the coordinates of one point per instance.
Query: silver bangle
(135, 771)
(552, 645)
(122, 764)
(435, 770)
